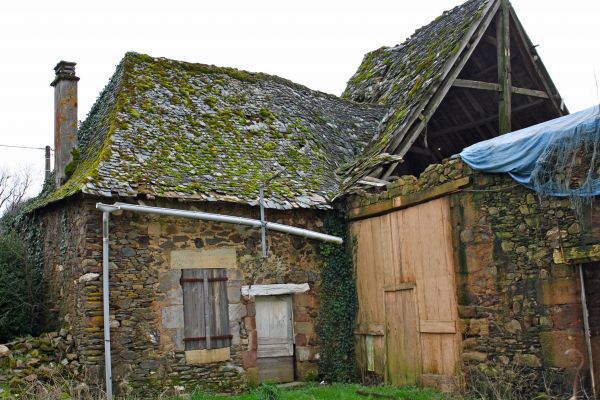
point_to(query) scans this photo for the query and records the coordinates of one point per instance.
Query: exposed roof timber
(469, 84)
(504, 68)
(369, 180)
(491, 40)
(423, 151)
(471, 117)
(484, 120)
(399, 145)
(539, 67)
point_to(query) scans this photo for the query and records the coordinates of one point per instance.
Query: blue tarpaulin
(542, 156)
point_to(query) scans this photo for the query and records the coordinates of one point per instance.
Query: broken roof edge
(399, 120)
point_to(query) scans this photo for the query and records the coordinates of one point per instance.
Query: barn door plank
(402, 338)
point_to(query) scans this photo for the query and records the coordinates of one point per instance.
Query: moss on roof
(405, 77)
(167, 128)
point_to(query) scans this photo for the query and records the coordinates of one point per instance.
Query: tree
(13, 190)
(20, 274)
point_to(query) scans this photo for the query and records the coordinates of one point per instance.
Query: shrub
(20, 285)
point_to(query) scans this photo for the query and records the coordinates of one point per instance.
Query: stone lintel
(274, 290)
(224, 257)
(207, 356)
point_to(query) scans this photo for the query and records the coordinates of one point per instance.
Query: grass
(325, 392)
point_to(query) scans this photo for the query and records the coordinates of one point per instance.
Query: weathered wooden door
(406, 280)
(275, 355)
(401, 330)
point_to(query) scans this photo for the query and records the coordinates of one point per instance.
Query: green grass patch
(326, 392)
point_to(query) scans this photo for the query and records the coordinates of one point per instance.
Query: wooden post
(504, 74)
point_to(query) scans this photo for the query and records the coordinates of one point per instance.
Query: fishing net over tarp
(556, 158)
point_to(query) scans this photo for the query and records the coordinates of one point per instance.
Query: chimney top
(65, 70)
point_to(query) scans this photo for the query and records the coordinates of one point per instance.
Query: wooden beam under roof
(407, 134)
(539, 68)
(504, 68)
(469, 84)
(483, 120)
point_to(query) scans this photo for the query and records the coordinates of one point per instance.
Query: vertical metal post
(586, 326)
(47, 162)
(263, 222)
(105, 301)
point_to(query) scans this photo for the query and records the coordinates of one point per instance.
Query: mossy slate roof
(406, 76)
(165, 128)
(172, 129)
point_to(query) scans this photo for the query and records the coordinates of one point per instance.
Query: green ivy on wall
(339, 305)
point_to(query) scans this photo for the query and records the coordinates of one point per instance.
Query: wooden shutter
(205, 309)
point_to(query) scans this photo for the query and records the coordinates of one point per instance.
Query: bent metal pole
(107, 209)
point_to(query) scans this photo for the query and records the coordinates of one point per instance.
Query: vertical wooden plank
(207, 308)
(396, 235)
(504, 69)
(193, 310)
(402, 338)
(221, 308)
(376, 273)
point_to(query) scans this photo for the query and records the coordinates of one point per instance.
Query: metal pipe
(263, 224)
(105, 303)
(222, 218)
(107, 209)
(586, 326)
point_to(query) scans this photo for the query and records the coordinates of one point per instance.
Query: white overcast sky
(316, 43)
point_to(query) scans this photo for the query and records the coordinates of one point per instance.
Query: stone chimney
(65, 117)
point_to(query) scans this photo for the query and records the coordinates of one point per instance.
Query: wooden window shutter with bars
(205, 309)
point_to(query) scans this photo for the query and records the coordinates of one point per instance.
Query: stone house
(196, 137)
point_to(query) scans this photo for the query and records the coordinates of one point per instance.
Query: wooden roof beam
(402, 143)
(495, 87)
(539, 67)
(504, 68)
(483, 121)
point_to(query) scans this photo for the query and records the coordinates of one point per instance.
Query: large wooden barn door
(405, 262)
(275, 353)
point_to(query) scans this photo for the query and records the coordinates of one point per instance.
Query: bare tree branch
(13, 189)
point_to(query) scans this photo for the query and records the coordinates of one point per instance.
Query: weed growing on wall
(339, 305)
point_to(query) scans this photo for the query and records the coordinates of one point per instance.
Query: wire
(24, 147)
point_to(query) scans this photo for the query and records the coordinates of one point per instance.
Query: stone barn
(193, 303)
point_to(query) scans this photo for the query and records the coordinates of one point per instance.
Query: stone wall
(69, 258)
(518, 308)
(146, 300)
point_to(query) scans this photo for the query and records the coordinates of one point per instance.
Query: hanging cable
(24, 147)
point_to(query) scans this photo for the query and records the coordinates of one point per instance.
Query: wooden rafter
(469, 84)
(504, 68)
(483, 121)
(539, 68)
(404, 140)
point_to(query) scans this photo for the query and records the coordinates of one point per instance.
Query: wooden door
(402, 337)
(405, 262)
(274, 328)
